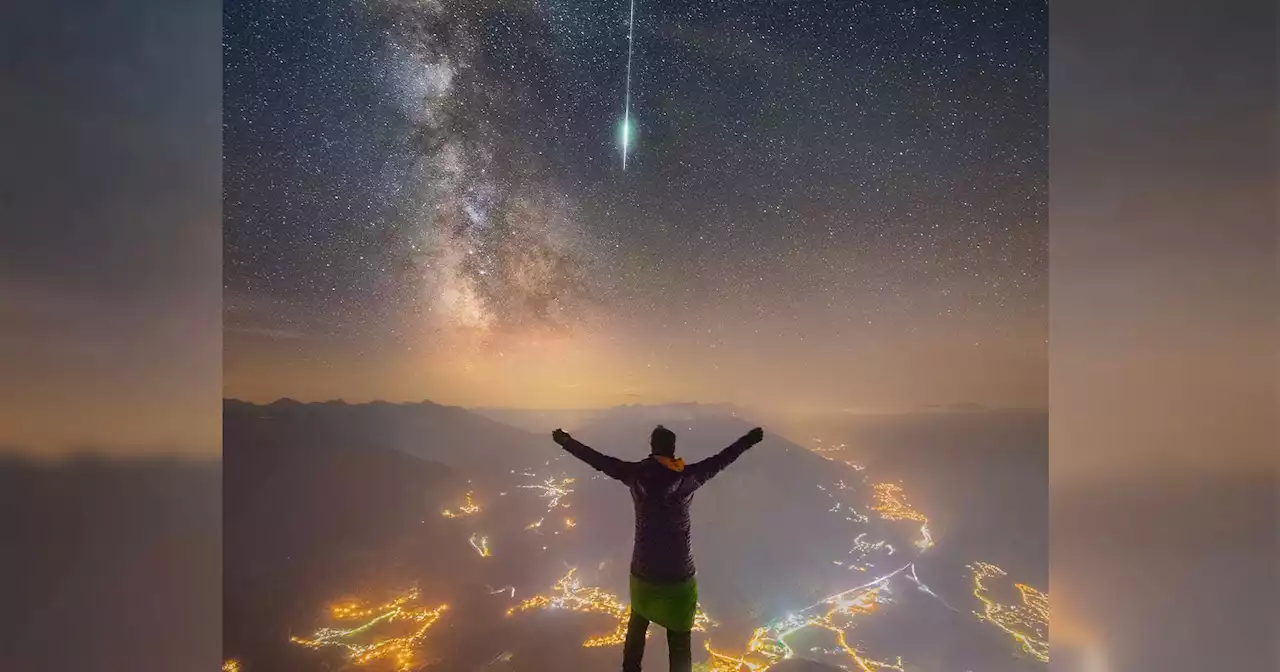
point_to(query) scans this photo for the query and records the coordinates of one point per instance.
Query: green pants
(671, 605)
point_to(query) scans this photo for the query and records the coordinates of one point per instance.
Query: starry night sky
(826, 205)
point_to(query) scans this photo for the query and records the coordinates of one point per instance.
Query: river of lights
(1027, 623)
(481, 544)
(362, 642)
(569, 593)
(465, 510)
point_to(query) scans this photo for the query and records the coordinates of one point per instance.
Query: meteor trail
(626, 110)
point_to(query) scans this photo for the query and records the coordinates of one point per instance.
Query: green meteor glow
(626, 133)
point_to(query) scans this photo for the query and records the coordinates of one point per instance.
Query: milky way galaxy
(425, 199)
(494, 248)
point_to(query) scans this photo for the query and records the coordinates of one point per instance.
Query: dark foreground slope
(312, 504)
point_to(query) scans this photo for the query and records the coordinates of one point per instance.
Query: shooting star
(626, 109)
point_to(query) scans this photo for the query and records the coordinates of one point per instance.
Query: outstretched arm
(611, 466)
(703, 471)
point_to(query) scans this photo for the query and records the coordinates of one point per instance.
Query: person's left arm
(699, 473)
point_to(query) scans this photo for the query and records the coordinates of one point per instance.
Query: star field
(425, 199)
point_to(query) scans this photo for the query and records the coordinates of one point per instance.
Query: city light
(553, 490)
(836, 614)
(465, 510)
(362, 642)
(365, 638)
(892, 505)
(825, 451)
(1027, 623)
(569, 593)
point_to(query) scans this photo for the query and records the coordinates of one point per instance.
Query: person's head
(663, 442)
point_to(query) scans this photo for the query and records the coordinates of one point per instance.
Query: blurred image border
(1162, 350)
(1163, 506)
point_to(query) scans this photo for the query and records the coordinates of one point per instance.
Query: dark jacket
(661, 495)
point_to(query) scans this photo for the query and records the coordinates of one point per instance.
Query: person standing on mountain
(663, 588)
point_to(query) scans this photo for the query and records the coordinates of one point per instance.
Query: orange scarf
(672, 463)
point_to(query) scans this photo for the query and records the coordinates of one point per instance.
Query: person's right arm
(701, 472)
(611, 466)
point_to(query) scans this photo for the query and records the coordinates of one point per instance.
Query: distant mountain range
(540, 421)
(446, 434)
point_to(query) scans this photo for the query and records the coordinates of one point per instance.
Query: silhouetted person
(663, 588)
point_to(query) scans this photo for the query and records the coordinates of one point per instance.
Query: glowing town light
(569, 593)
(465, 510)
(836, 614)
(362, 643)
(553, 490)
(892, 505)
(1027, 623)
